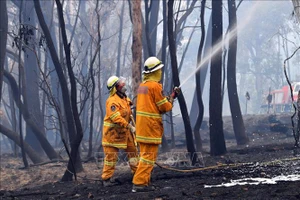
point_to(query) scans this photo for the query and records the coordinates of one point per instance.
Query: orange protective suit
(151, 104)
(116, 135)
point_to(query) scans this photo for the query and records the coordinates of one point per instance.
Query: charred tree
(91, 71)
(3, 36)
(153, 24)
(203, 73)
(164, 38)
(101, 103)
(92, 113)
(75, 143)
(198, 86)
(217, 141)
(165, 146)
(63, 84)
(236, 114)
(182, 104)
(54, 80)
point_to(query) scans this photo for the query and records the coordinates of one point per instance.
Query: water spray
(217, 47)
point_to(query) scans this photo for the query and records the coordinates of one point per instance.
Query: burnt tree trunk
(203, 72)
(55, 85)
(217, 141)
(236, 114)
(153, 24)
(165, 146)
(198, 86)
(182, 104)
(3, 36)
(92, 102)
(164, 38)
(75, 143)
(147, 29)
(62, 80)
(101, 103)
(92, 114)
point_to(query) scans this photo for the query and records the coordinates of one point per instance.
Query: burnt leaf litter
(271, 155)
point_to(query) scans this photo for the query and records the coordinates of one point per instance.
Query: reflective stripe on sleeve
(115, 115)
(161, 102)
(147, 114)
(110, 124)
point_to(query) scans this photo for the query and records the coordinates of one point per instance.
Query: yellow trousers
(148, 155)
(111, 158)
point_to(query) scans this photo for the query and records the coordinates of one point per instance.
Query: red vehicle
(278, 101)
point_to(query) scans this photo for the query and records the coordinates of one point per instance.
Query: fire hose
(222, 166)
(218, 166)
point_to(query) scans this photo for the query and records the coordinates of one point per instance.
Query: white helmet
(152, 64)
(111, 82)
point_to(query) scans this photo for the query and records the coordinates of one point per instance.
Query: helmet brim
(153, 70)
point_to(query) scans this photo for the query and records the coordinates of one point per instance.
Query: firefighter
(117, 130)
(151, 104)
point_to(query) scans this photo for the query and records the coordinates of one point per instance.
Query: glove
(131, 128)
(170, 99)
(176, 92)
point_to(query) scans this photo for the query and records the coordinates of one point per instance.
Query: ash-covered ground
(267, 168)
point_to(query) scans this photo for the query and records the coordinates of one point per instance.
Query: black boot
(109, 182)
(142, 188)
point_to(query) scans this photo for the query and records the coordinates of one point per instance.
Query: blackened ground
(268, 155)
